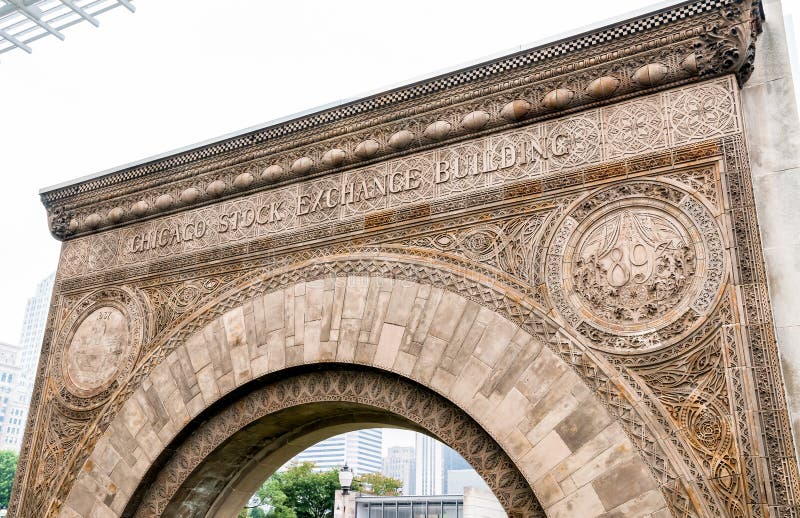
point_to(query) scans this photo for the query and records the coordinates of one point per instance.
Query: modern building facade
(400, 462)
(432, 506)
(13, 406)
(361, 450)
(440, 470)
(457, 473)
(429, 476)
(456, 481)
(474, 503)
(33, 327)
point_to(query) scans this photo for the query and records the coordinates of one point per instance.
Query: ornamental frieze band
(551, 261)
(534, 152)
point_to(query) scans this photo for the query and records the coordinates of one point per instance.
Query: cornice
(685, 43)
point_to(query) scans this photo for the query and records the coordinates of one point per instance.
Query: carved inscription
(95, 351)
(403, 181)
(167, 236)
(534, 151)
(630, 265)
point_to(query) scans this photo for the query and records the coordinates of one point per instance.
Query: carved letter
(303, 204)
(441, 173)
(561, 145)
(412, 179)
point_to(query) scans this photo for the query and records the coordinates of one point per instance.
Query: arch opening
(524, 413)
(241, 441)
(397, 473)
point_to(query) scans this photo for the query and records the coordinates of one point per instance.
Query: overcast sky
(182, 71)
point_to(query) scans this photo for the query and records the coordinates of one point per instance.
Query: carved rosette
(630, 262)
(101, 348)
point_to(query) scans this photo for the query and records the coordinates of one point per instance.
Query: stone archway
(570, 452)
(214, 470)
(561, 242)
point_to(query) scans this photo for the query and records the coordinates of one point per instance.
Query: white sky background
(182, 71)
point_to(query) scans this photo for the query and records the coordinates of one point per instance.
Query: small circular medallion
(97, 349)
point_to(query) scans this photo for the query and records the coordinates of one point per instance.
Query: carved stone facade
(551, 262)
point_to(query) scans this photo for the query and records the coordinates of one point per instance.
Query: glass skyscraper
(30, 341)
(400, 463)
(18, 367)
(429, 466)
(361, 450)
(13, 406)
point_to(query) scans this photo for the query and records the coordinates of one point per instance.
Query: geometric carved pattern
(439, 417)
(695, 112)
(474, 250)
(542, 150)
(504, 246)
(635, 127)
(506, 304)
(693, 389)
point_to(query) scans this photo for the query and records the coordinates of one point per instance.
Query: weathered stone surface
(577, 303)
(773, 136)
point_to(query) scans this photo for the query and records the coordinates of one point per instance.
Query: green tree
(298, 492)
(8, 466)
(271, 492)
(378, 484)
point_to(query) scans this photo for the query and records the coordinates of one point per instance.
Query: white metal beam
(15, 41)
(32, 16)
(129, 6)
(25, 21)
(80, 11)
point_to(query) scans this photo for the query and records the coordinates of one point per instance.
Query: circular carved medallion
(633, 267)
(104, 337)
(96, 350)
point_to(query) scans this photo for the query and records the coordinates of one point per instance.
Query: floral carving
(694, 391)
(635, 127)
(504, 245)
(721, 417)
(695, 112)
(630, 261)
(634, 266)
(92, 366)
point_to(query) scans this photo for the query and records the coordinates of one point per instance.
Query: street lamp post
(345, 480)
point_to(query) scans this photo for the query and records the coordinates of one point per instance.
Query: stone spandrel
(536, 151)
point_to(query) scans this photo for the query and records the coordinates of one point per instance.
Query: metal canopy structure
(25, 21)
